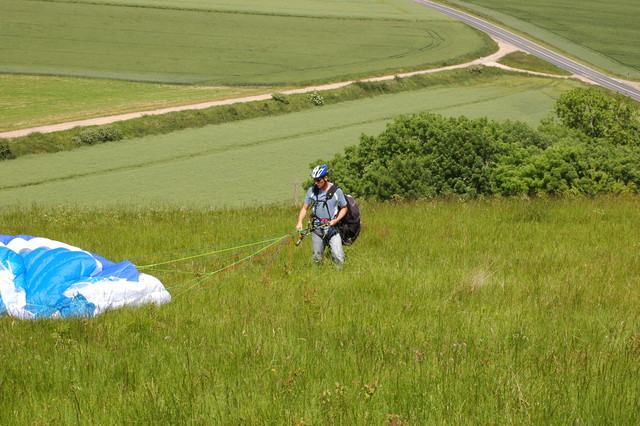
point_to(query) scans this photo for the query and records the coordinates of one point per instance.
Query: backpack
(349, 227)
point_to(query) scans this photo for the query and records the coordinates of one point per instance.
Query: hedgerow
(569, 167)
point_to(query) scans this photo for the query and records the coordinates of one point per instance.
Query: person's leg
(318, 247)
(337, 253)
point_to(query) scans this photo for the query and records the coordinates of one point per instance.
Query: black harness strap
(330, 193)
(327, 234)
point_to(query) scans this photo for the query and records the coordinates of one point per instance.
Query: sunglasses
(320, 179)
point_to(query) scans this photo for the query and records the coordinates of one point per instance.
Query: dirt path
(491, 60)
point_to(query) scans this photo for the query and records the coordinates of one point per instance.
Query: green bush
(315, 98)
(427, 155)
(5, 151)
(600, 115)
(99, 134)
(570, 167)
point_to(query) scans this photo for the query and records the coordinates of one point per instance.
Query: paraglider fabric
(43, 278)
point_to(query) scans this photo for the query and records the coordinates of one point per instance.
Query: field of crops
(173, 45)
(512, 311)
(227, 165)
(359, 9)
(603, 33)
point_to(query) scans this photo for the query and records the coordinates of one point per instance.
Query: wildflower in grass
(293, 375)
(339, 394)
(368, 390)
(396, 419)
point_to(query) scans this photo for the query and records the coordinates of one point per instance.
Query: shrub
(5, 151)
(427, 155)
(99, 134)
(423, 156)
(570, 167)
(315, 98)
(599, 115)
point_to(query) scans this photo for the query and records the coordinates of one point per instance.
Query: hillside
(519, 311)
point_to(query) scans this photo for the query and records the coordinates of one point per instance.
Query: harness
(324, 232)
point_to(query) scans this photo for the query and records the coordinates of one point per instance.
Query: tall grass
(504, 311)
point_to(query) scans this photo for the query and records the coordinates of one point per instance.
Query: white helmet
(319, 171)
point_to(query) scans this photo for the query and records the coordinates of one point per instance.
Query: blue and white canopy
(42, 278)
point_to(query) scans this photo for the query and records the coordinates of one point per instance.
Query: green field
(512, 311)
(605, 34)
(359, 9)
(227, 165)
(31, 101)
(205, 46)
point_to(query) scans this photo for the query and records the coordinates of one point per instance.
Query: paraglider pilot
(329, 207)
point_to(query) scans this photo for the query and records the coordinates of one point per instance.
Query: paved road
(536, 50)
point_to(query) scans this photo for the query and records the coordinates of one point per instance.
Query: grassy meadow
(524, 61)
(447, 311)
(171, 44)
(604, 34)
(228, 165)
(503, 311)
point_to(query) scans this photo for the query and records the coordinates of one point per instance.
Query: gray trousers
(335, 244)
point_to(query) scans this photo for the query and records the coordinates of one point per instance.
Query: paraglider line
(211, 252)
(226, 248)
(247, 258)
(238, 262)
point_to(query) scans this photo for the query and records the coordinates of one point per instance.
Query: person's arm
(344, 207)
(301, 216)
(341, 214)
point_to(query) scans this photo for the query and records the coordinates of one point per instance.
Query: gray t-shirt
(332, 206)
